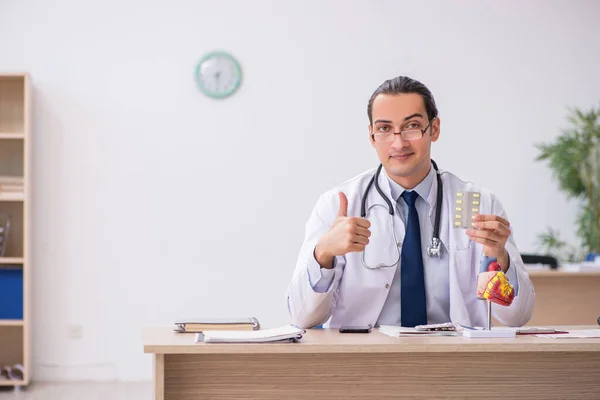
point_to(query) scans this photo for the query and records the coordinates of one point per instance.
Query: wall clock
(218, 75)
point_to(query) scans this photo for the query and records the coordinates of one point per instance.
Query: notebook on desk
(284, 333)
(195, 325)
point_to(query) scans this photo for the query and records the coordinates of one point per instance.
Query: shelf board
(11, 322)
(13, 74)
(8, 135)
(11, 260)
(12, 196)
(12, 383)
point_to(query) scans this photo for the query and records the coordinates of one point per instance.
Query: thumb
(343, 211)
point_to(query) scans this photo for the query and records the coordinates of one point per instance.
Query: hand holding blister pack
(492, 283)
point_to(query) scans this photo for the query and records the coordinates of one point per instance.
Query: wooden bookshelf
(15, 268)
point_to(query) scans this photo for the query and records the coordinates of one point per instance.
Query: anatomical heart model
(493, 285)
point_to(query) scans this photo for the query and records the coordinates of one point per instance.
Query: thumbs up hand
(343, 210)
(347, 234)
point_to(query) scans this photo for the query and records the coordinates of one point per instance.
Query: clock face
(218, 75)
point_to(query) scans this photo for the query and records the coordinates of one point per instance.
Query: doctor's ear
(435, 130)
(370, 129)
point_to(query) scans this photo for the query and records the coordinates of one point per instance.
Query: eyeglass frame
(401, 133)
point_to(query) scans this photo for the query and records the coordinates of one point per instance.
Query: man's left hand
(492, 231)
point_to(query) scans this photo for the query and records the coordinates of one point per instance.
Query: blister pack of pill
(466, 206)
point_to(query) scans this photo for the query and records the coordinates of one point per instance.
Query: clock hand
(218, 77)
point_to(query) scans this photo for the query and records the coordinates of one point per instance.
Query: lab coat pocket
(465, 271)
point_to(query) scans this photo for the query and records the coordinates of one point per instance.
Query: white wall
(154, 202)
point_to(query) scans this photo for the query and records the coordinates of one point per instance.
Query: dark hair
(404, 84)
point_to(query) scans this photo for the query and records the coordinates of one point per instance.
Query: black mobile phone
(356, 329)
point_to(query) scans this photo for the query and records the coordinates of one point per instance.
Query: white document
(288, 332)
(575, 334)
(493, 333)
(400, 331)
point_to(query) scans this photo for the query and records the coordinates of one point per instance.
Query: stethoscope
(433, 250)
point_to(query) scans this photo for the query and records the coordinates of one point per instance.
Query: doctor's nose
(399, 142)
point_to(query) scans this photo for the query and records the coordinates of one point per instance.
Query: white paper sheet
(575, 334)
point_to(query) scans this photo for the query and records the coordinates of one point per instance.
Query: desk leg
(159, 376)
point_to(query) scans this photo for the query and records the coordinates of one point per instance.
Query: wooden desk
(329, 365)
(565, 298)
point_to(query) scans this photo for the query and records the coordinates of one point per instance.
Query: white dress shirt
(437, 281)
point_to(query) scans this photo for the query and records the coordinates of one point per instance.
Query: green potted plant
(574, 158)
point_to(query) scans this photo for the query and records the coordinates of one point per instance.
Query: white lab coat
(357, 294)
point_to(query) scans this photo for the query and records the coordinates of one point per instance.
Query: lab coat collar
(424, 188)
(384, 184)
(427, 189)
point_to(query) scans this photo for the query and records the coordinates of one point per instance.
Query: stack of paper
(496, 332)
(289, 333)
(400, 331)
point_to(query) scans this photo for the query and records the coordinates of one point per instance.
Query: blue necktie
(412, 280)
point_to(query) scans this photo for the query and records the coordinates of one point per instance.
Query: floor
(81, 390)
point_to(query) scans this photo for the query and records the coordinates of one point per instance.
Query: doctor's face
(406, 161)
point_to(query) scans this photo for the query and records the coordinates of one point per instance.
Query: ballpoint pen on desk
(471, 328)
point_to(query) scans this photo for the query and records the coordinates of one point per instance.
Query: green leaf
(574, 159)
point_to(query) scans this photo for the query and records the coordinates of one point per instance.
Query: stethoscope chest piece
(434, 249)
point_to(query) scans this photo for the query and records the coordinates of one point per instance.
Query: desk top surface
(164, 340)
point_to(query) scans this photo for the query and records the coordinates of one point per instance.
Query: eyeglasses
(411, 134)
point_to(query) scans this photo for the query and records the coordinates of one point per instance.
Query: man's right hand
(347, 234)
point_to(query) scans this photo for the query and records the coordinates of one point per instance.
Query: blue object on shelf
(592, 256)
(11, 294)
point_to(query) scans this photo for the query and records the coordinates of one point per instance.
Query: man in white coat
(398, 282)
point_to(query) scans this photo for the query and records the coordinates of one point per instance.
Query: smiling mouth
(403, 156)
